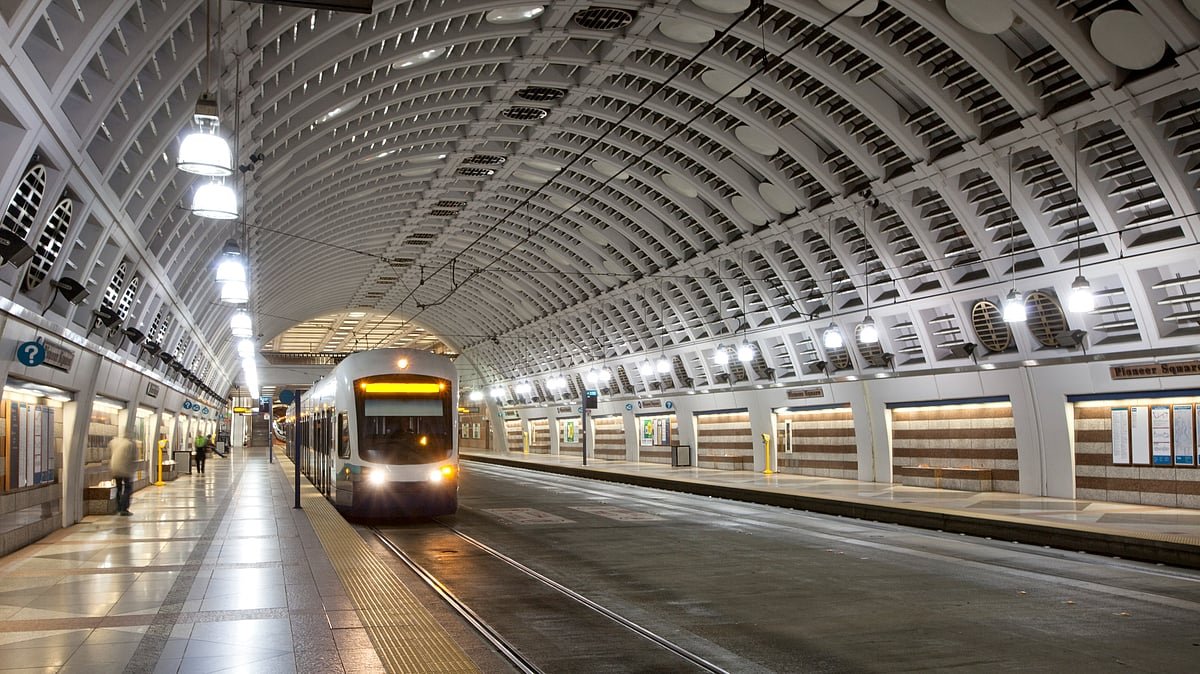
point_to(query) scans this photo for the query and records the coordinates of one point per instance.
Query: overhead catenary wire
(704, 109)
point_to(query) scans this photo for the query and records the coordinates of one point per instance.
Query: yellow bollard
(766, 438)
(160, 482)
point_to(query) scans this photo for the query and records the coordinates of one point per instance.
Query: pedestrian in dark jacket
(201, 453)
(120, 462)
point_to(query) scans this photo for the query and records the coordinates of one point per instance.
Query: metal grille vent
(525, 113)
(50, 244)
(839, 358)
(1046, 319)
(475, 171)
(993, 333)
(443, 212)
(418, 239)
(603, 18)
(451, 203)
(486, 159)
(541, 94)
(23, 207)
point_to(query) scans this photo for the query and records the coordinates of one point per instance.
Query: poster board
(1183, 438)
(1139, 434)
(1160, 434)
(647, 432)
(1120, 435)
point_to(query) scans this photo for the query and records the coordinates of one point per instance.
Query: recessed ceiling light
(357, 314)
(420, 57)
(514, 14)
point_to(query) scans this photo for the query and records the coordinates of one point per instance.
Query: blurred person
(120, 462)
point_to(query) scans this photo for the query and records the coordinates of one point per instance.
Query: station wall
(1012, 429)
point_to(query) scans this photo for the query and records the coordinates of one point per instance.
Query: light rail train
(379, 434)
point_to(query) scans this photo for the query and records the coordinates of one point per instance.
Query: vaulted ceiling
(547, 191)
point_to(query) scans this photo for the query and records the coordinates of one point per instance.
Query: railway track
(506, 628)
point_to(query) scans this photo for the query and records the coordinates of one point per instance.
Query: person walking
(201, 453)
(120, 462)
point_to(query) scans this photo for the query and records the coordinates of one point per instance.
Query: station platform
(216, 572)
(1129, 531)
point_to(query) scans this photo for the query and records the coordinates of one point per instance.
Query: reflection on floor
(212, 572)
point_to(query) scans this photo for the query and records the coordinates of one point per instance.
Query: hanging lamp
(215, 200)
(241, 325)
(1081, 300)
(204, 151)
(1014, 310)
(867, 332)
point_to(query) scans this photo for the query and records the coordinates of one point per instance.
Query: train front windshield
(404, 420)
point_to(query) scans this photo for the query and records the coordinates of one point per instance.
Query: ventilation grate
(475, 171)
(451, 203)
(1046, 319)
(525, 113)
(603, 18)
(486, 159)
(994, 334)
(541, 94)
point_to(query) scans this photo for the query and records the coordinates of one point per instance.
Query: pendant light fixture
(1081, 300)
(867, 332)
(230, 268)
(215, 200)
(241, 325)
(745, 350)
(1014, 305)
(662, 365)
(831, 337)
(204, 151)
(721, 355)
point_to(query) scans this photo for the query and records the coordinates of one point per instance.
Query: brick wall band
(725, 441)
(1098, 478)
(539, 436)
(822, 443)
(967, 447)
(610, 438)
(514, 436)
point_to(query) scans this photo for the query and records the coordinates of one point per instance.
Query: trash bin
(183, 458)
(681, 455)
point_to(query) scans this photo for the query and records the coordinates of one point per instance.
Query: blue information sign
(286, 396)
(31, 353)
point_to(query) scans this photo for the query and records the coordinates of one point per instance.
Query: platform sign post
(591, 398)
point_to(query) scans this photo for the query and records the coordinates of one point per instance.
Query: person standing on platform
(120, 462)
(201, 453)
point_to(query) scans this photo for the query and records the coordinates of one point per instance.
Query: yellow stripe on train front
(402, 387)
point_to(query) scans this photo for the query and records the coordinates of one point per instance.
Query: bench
(962, 478)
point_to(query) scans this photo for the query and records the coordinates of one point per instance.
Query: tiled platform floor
(211, 573)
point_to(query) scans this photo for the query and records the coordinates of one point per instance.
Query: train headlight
(440, 474)
(377, 477)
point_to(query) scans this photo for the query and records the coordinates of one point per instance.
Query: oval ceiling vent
(993, 333)
(525, 113)
(475, 171)
(1046, 318)
(486, 159)
(541, 94)
(603, 18)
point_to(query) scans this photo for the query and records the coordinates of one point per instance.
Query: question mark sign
(31, 353)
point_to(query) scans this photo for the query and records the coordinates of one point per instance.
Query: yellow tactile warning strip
(405, 635)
